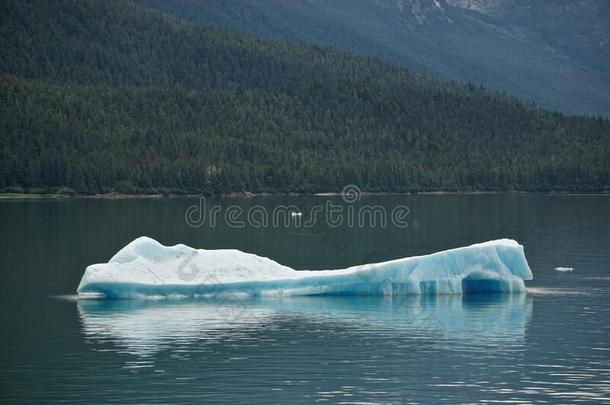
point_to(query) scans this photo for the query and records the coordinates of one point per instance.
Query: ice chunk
(146, 269)
(564, 268)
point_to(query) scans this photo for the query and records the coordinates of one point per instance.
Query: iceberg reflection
(144, 328)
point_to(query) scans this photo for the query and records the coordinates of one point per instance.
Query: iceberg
(147, 269)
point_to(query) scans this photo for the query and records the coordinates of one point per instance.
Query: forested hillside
(103, 96)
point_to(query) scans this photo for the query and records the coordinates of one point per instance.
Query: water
(552, 345)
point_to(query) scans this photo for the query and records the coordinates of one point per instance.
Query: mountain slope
(102, 96)
(556, 53)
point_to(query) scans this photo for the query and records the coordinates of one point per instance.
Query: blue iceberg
(147, 269)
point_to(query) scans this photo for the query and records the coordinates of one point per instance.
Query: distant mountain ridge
(554, 52)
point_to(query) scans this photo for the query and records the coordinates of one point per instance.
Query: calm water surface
(551, 345)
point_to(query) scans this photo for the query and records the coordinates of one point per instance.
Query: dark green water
(551, 345)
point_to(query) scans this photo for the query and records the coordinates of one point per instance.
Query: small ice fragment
(296, 214)
(564, 268)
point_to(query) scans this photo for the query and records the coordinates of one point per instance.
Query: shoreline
(123, 196)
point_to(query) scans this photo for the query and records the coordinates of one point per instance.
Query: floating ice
(564, 268)
(146, 269)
